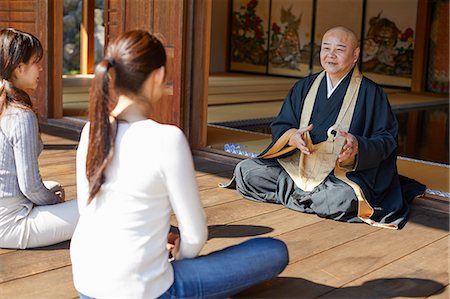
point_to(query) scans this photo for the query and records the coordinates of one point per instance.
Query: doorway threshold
(67, 127)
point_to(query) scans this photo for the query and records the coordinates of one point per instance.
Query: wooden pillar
(199, 73)
(55, 59)
(420, 60)
(419, 73)
(87, 37)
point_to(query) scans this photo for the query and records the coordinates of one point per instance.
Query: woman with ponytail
(132, 172)
(33, 213)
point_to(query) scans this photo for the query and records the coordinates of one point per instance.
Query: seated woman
(131, 173)
(30, 214)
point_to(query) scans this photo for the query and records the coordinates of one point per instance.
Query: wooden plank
(337, 267)
(217, 196)
(18, 16)
(234, 211)
(272, 224)
(434, 176)
(236, 112)
(49, 173)
(24, 26)
(220, 135)
(211, 181)
(49, 139)
(433, 203)
(63, 159)
(445, 294)
(321, 273)
(23, 263)
(422, 273)
(63, 162)
(75, 110)
(167, 18)
(114, 19)
(256, 97)
(327, 235)
(80, 98)
(221, 79)
(416, 101)
(203, 166)
(15, 5)
(237, 210)
(56, 154)
(77, 82)
(3, 251)
(55, 284)
(254, 88)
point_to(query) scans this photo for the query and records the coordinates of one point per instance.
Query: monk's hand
(298, 140)
(350, 148)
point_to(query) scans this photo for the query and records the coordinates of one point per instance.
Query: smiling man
(334, 145)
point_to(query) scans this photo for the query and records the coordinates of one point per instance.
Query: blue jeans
(226, 272)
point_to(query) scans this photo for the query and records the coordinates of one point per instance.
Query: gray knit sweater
(20, 146)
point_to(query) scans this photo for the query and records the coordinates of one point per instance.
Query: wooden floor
(328, 259)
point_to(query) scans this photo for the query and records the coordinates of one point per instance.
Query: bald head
(347, 33)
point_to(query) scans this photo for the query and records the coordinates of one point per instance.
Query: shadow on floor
(286, 287)
(236, 231)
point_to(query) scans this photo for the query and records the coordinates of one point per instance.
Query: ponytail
(102, 130)
(129, 61)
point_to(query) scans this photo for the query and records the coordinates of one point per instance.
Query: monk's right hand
(297, 139)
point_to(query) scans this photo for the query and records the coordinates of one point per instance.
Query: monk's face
(339, 52)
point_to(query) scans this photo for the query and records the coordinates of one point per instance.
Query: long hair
(128, 62)
(16, 47)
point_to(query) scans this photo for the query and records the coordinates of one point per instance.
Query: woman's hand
(57, 189)
(61, 194)
(173, 245)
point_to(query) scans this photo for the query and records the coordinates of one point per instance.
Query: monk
(334, 145)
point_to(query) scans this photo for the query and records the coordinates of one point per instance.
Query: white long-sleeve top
(21, 184)
(119, 246)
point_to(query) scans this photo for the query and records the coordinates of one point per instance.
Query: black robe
(375, 127)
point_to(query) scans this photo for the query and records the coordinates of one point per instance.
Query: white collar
(330, 87)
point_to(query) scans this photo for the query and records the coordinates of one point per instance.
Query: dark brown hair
(16, 47)
(128, 62)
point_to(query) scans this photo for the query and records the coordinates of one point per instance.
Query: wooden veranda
(328, 259)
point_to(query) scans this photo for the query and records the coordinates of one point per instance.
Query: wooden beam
(200, 57)
(87, 37)
(55, 59)
(420, 60)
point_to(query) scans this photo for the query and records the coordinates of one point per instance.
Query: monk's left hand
(350, 148)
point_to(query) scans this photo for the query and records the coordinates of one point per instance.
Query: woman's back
(125, 227)
(18, 133)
